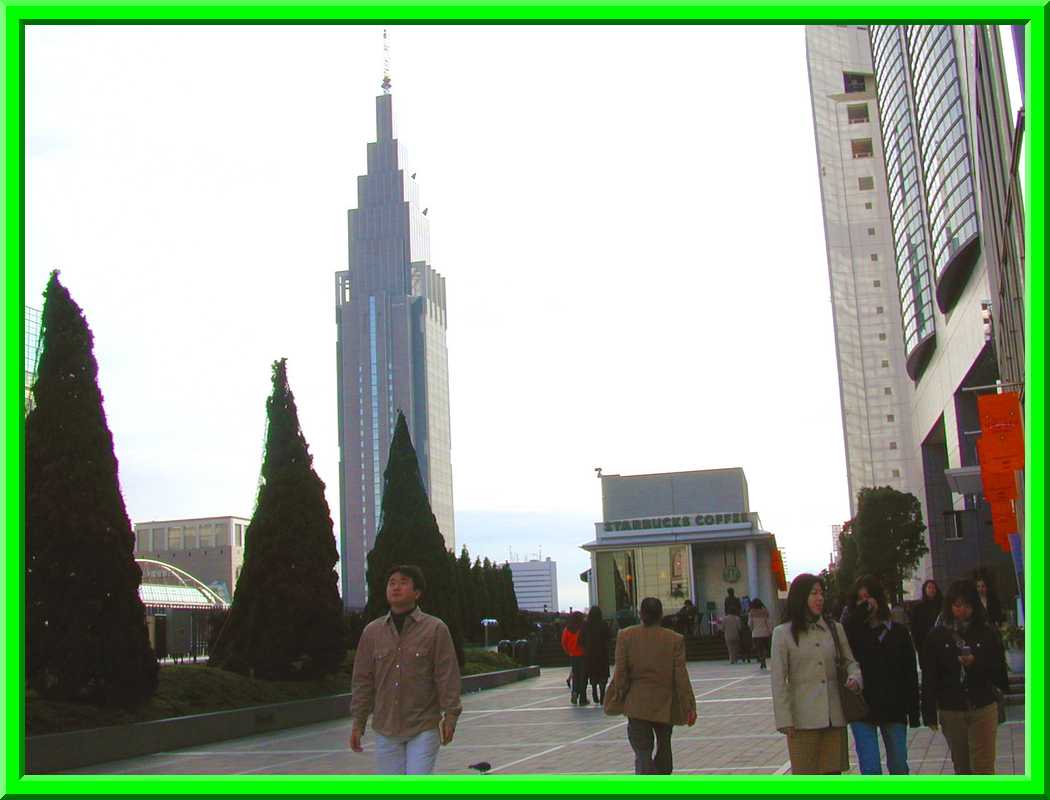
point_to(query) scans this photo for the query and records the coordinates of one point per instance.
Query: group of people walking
(747, 631)
(863, 671)
(586, 641)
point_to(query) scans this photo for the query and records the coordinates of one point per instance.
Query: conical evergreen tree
(510, 602)
(465, 583)
(409, 534)
(86, 629)
(286, 620)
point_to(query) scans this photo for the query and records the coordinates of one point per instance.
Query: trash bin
(505, 648)
(521, 651)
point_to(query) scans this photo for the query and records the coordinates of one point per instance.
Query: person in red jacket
(570, 643)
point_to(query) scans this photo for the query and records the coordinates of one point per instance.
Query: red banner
(1001, 445)
(1004, 522)
(776, 564)
(999, 487)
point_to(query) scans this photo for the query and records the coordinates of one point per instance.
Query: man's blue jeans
(866, 741)
(407, 755)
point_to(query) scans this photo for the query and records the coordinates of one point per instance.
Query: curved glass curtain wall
(904, 183)
(948, 174)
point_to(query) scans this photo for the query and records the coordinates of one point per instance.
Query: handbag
(615, 697)
(854, 706)
(1000, 703)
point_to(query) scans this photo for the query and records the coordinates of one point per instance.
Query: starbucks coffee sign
(731, 574)
(686, 521)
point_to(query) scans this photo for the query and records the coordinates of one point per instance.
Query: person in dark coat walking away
(570, 643)
(993, 608)
(924, 613)
(963, 665)
(761, 630)
(731, 605)
(886, 655)
(595, 641)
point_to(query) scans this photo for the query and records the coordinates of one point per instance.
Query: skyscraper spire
(386, 62)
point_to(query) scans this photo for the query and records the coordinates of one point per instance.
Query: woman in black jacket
(891, 683)
(963, 665)
(595, 641)
(924, 613)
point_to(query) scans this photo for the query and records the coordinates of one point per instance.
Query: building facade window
(862, 148)
(853, 82)
(866, 184)
(857, 113)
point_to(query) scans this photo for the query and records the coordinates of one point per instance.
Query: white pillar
(592, 584)
(752, 568)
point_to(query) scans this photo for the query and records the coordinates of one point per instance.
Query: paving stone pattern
(531, 728)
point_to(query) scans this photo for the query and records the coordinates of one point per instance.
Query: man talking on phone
(406, 677)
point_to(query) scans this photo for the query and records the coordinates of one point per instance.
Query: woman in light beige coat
(806, 700)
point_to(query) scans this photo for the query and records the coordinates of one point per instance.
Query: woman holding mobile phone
(962, 664)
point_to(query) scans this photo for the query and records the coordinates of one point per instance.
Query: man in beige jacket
(406, 677)
(650, 671)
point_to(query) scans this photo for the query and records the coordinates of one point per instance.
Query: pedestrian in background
(731, 604)
(963, 665)
(886, 655)
(807, 705)
(651, 681)
(761, 630)
(993, 608)
(595, 641)
(731, 630)
(406, 677)
(570, 643)
(924, 613)
(745, 639)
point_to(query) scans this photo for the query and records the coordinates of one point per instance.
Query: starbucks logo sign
(731, 574)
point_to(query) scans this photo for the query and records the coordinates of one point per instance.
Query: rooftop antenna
(386, 62)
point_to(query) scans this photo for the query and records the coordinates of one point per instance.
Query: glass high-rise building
(390, 353)
(910, 121)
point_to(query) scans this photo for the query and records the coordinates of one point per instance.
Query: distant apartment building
(211, 549)
(923, 233)
(536, 584)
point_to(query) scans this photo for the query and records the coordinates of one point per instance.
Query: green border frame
(17, 14)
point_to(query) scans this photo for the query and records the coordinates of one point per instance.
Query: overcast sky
(628, 219)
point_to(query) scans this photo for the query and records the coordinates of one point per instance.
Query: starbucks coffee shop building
(679, 535)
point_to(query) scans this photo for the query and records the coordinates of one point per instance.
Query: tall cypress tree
(467, 601)
(409, 534)
(510, 602)
(85, 623)
(286, 620)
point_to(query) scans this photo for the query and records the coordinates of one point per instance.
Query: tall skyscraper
(390, 351)
(872, 352)
(897, 110)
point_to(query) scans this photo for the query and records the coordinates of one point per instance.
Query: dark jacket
(923, 618)
(888, 665)
(945, 684)
(732, 606)
(595, 641)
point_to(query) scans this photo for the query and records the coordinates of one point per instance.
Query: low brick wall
(55, 752)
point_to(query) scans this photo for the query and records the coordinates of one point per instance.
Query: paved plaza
(531, 727)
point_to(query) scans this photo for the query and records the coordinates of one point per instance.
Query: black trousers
(641, 733)
(579, 676)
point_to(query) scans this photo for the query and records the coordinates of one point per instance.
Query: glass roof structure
(167, 586)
